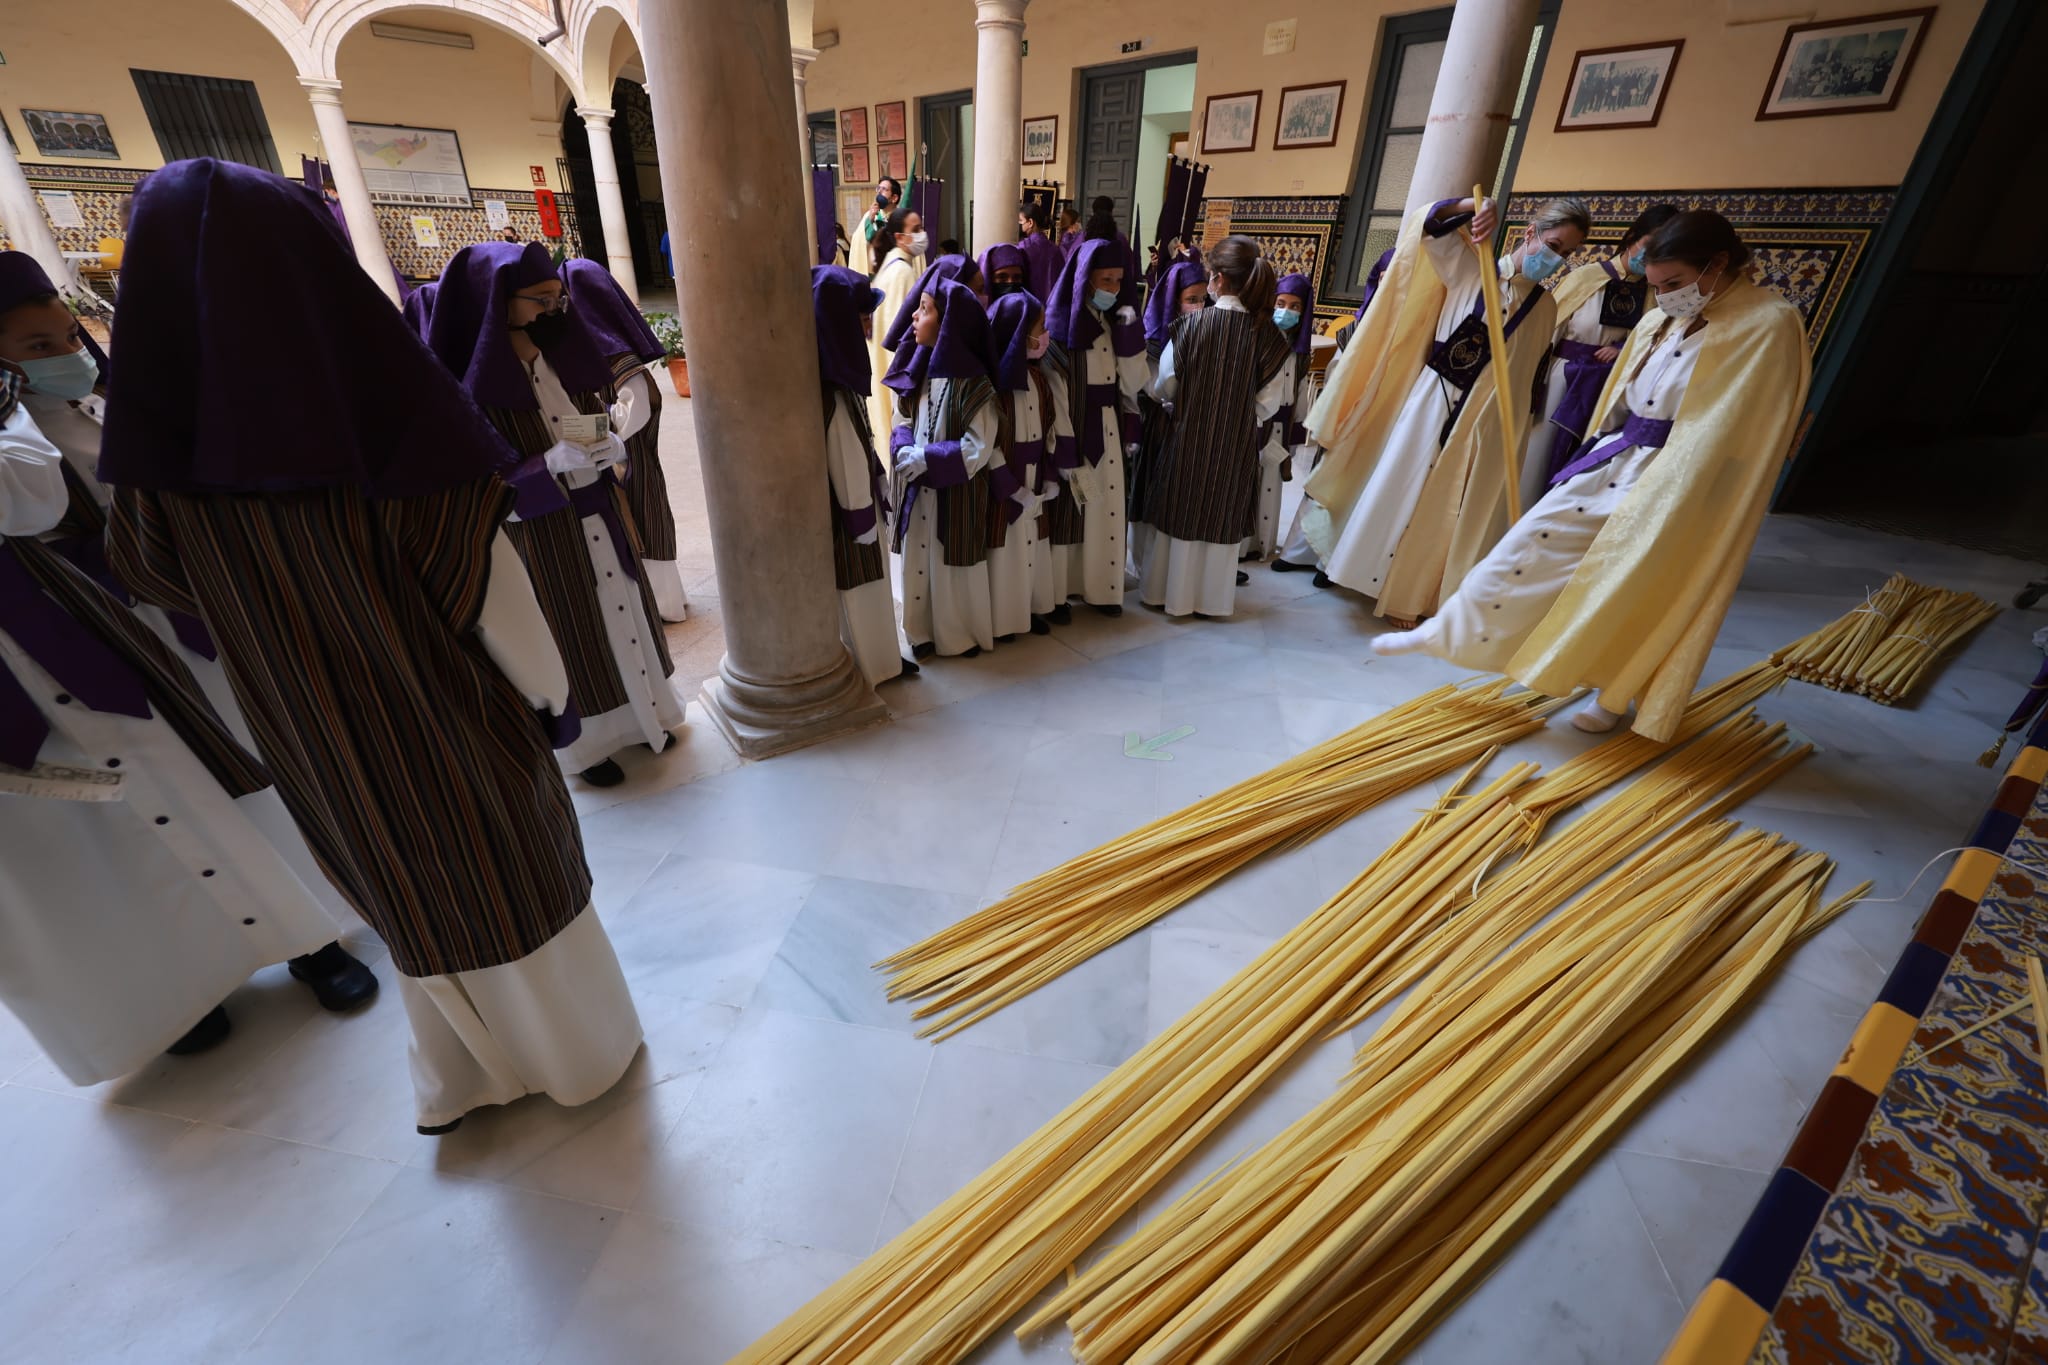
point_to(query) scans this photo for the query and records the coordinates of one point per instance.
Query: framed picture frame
(895, 159)
(1041, 140)
(891, 122)
(1309, 116)
(853, 127)
(854, 166)
(1230, 123)
(1618, 87)
(81, 137)
(1844, 66)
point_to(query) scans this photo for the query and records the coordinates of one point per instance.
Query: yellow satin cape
(1642, 611)
(1367, 383)
(1463, 508)
(1574, 289)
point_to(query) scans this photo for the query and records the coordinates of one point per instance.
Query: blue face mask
(1285, 318)
(1103, 300)
(62, 376)
(1635, 263)
(1541, 263)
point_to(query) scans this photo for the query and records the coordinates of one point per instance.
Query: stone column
(356, 209)
(716, 76)
(998, 120)
(24, 224)
(1473, 100)
(611, 204)
(800, 59)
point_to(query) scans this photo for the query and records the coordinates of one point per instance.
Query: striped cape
(646, 484)
(1205, 486)
(854, 563)
(961, 513)
(421, 780)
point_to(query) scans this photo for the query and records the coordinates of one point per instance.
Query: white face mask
(918, 241)
(1684, 303)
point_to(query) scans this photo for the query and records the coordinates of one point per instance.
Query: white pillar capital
(322, 90)
(800, 59)
(1000, 14)
(594, 115)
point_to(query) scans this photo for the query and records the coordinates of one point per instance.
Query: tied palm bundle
(1885, 648)
(940, 1288)
(1061, 918)
(1471, 1109)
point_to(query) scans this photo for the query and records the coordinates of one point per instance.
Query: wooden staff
(1496, 335)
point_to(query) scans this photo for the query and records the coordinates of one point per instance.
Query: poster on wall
(1844, 66)
(890, 121)
(83, 136)
(1618, 87)
(62, 208)
(424, 232)
(853, 127)
(854, 167)
(895, 159)
(497, 215)
(411, 165)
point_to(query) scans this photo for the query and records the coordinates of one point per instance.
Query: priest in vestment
(377, 625)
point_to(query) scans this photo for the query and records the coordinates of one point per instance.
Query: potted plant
(668, 330)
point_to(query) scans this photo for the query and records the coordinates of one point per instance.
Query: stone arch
(597, 24)
(330, 22)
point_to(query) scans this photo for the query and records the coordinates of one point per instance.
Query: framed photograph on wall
(83, 136)
(1309, 115)
(1230, 123)
(1618, 87)
(854, 166)
(1844, 66)
(853, 128)
(895, 158)
(890, 122)
(1041, 139)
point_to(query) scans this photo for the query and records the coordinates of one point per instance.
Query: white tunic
(1013, 565)
(896, 276)
(867, 614)
(1582, 326)
(652, 709)
(123, 922)
(1360, 558)
(1508, 593)
(1095, 567)
(1195, 576)
(1265, 540)
(945, 605)
(664, 577)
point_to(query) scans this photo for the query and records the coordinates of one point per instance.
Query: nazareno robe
(867, 608)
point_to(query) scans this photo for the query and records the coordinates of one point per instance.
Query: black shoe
(910, 668)
(605, 774)
(1040, 626)
(1006, 639)
(1283, 566)
(1060, 615)
(208, 1032)
(1322, 580)
(971, 652)
(923, 651)
(1243, 578)
(1251, 558)
(339, 981)
(1111, 610)
(439, 1128)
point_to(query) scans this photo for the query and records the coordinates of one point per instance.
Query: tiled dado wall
(100, 191)
(1809, 243)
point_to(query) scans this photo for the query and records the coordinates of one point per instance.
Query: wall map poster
(411, 165)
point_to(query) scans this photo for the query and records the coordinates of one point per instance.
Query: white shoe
(1596, 719)
(1399, 642)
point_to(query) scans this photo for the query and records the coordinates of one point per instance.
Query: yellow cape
(1641, 612)
(1463, 508)
(1574, 289)
(1367, 383)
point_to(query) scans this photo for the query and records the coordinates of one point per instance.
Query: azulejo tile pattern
(1906, 1220)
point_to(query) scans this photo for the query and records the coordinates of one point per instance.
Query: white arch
(596, 24)
(330, 21)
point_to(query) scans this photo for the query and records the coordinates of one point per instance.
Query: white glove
(608, 452)
(622, 411)
(564, 457)
(910, 462)
(1127, 315)
(1273, 454)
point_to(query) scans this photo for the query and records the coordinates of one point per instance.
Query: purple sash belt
(1094, 399)
(86, 666)
(1024, 455)
(1647, 432)
(596, 500)
(1584, 378)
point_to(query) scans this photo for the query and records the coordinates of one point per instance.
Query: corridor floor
(269, 1201)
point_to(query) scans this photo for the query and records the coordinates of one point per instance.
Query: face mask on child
(1285, 319)
(1635, 263)
(62, 376)
(1540, 263)
(1034, 347)
(1684, 303)
(1103, 300)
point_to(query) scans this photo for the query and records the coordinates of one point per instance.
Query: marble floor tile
(824, 967)
(666, 1291)
(1097, 702)
(1730, 1107)
(762, 815)
(698, 751)
(936, 835)
(1089, 770)
(616, 873)
(196, 1255)
(1092, 1013)
(442, 1269)
(794, 1134)
(705, 928)
(1691, 1211)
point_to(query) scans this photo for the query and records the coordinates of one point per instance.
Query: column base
(763, 719)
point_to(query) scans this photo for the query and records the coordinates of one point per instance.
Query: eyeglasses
(558, 304)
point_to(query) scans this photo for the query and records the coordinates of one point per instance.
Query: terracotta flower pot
(679, 372)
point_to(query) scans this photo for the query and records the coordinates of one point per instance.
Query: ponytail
(1261, 289)
(1238, 259)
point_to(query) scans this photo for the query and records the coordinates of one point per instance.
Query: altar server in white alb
(141, 871)
(946, 439)
(505, 327)
(1619, 578)
(840, 298)
(1412, 397)
(374, 619)
(1101, 345)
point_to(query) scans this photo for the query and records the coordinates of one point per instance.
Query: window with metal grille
(1412, 50)
(206, 116)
